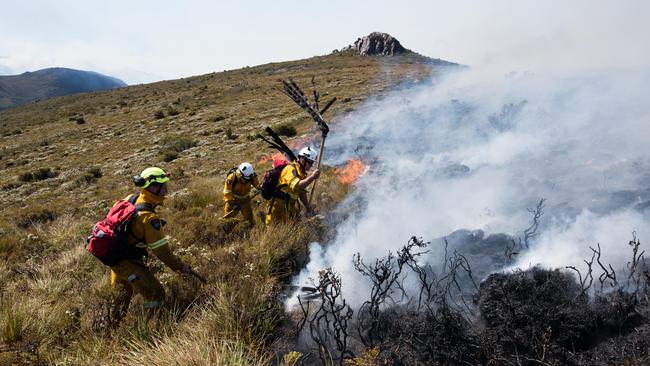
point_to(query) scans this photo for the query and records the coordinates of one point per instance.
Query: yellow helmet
(150, 175)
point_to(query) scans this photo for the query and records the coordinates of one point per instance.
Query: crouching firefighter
(236, 192)
(123, 238)
(291, 187)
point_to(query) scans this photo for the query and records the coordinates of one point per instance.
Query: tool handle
(199, 276)
(320, 155)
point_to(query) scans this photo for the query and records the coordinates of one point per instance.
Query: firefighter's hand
(315, 174)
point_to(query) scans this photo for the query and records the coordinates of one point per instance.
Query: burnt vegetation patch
(524, 317)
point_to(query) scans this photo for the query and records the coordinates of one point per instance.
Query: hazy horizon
(151, 41)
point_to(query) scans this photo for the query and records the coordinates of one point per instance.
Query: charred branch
(328, 322)
(531, 232)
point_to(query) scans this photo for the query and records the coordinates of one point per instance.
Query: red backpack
(269, 182)
(108, 239)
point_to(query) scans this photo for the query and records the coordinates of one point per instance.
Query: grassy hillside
(65, 160)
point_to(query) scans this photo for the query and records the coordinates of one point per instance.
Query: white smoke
(474, 151)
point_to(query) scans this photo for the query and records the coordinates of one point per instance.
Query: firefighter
(146, 233)
(293, 182)
(236, 192)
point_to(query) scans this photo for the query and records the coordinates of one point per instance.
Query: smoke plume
(465, 156)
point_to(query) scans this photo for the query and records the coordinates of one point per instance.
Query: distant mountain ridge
(53, 82)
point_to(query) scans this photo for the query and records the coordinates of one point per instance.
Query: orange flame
(352, 170)
(269, 158)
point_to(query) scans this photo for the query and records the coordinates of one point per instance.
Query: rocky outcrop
(378, 43)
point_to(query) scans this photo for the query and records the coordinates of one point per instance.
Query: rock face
(377, 43)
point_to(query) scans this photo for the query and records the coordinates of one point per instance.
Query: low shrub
(10, 186)
(177, 143)
(90, 176)
(77, 118)
(40, 174)
(285, 130)
(252, 136)
(40, 217)
(169, 155)
(230, 135)
(159, 114)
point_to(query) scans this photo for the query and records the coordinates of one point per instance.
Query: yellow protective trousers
(129, 275)
(281, 211)
(234, 207)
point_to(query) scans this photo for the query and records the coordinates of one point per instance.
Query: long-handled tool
(198, 275)
(293, 91)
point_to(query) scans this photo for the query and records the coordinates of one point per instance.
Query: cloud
(179, 40)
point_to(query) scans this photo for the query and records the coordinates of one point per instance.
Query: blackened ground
(532, 317)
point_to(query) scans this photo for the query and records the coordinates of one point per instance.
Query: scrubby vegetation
(40, 174)
(59, 178)
(285, 130)
(524, 317)
(172, 145)
(54, 296)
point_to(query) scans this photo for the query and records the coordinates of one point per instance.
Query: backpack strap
(234, 180)
(140, 206)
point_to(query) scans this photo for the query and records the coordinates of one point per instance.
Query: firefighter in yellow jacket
(292, 182)
(236, 192)
(146, 233)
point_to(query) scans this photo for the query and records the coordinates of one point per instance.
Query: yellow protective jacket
(147, 232)
(280, 210)
(237, 188)
(290, 176)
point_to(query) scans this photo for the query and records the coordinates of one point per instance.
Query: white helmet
(246, 170)
(308, 153)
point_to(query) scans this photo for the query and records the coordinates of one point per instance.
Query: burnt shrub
(522, 308)
(437, 337)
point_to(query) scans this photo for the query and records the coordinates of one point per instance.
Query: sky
(146, 41)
